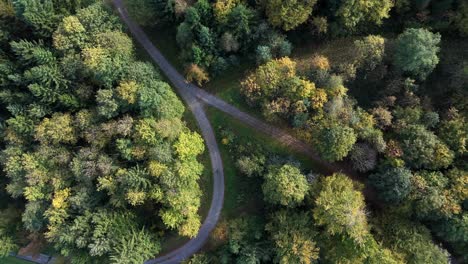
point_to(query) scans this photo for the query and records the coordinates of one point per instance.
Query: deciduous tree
(333, 140)
(284, 185)
(288, 14)
(416, 52)
(293, 237)
(393, 184)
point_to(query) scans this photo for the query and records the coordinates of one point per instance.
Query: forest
(101, 161)
(93, 139)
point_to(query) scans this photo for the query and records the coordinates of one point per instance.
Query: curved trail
(207, 132)
(194, 98)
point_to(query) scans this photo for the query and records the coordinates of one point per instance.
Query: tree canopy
(285, 185)
(416, 52)
(94, 141)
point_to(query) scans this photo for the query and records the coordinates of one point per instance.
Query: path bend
(195, 244)
(195, 98)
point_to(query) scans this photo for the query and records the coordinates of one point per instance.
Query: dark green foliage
(412, 239)
(40, 15)
(210, 31)
(416, 52)
(245, 241)
(158, 100)
(393, 184)
(455, 231)
(333, 140)
(423, 149)
(263, 54)
(10, 224)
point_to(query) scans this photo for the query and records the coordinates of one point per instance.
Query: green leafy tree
(354, 13)
(240, 23)
(410, 239)
(293, 234)
(263, 54)
(40, 15)
(7, 246)
(288, 14)
(454, 132)
(246, 240)
(454, 230)
(416, 52)
(433, 197)
(96, 18)
(393, 185)
(285, 185)
(340, 209)
(333, 140)
(57, 129)
(107, 105)
(70, 35)
(371, 51)
(137, 248)
(423, 149)
(158, 100)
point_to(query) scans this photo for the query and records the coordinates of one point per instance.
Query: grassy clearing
(243, 194)
(338, 51)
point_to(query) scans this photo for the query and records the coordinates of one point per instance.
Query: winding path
(207, 132)
(194, 98)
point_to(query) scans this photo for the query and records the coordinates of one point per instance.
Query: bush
(194, 73)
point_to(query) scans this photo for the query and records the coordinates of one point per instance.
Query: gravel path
(194, 98)
(207, 132)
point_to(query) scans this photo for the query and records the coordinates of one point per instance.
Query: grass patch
(338, 51)
(164, 38)
(243, 194)
(13, 260)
